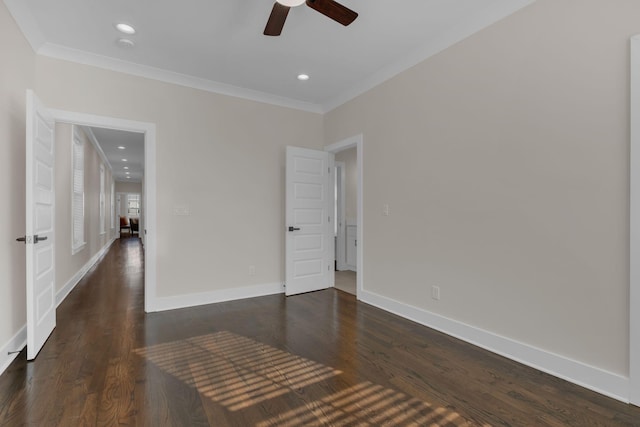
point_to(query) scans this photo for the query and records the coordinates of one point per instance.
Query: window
(77, 199)
(133, 204)
(102, 202)
(113, 204)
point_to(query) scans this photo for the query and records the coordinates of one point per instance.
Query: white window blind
(113, 205)
(103, 202)
(133, 204)
(77, 199)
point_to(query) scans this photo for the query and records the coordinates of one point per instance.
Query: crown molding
(96, 144)
(82, 57)
(459, 32)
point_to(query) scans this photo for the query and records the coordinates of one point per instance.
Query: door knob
(22, 239)
(37, 238)
(293, 229)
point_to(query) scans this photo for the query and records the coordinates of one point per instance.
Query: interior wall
(504, 160)
(128, 187)
(221, 158)
(350, 159)
(67, 264)
(16, 76)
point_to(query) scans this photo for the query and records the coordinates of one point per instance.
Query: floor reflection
(235, 371)
(238, 372)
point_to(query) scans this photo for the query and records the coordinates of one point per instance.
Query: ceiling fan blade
(333, 10)
(276, 20)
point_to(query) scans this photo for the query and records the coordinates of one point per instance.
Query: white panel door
(39, 239)
(309, 219)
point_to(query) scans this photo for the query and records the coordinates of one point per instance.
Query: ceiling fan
(329, 8)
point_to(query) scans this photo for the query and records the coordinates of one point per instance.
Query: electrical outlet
(252, 270)
(435, 292)
(385, 209)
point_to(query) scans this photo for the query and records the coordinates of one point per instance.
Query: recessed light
(303, 77)
(124, 160)
(125, 43)
(121, 147)
(125, 28)
(126, 167)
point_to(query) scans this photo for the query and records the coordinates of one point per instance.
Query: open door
(309, 220)
(39, 238)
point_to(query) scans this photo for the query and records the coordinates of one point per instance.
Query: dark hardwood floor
(315, 359)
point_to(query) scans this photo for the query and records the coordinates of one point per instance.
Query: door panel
(40, 196)
(310, 217)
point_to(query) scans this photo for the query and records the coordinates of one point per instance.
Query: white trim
(113, 204)
(149, 130)
(19, 340)
(598, 380)
(87, 58)
(76, 140)
(212, 297)
(634, 228)
(465, 28)
(341, 237)
(94, 141)
(358, 142)
(102, 210)
(71, 283)
(16, 343)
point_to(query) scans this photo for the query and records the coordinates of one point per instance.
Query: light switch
(385, 209)
(181, 210)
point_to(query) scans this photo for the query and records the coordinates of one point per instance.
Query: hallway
(315, 359)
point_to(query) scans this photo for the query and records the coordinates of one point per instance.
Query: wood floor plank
(318, 359)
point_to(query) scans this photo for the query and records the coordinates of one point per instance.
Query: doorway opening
(348, 229)
(147, 182)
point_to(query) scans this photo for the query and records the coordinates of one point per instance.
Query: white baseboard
(192, 300)
(16, 343)
(596, 379)
(19, 340)
(68, 287)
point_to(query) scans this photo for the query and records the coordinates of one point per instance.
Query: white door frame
(341, 222)
(149, 131)
(634, 228)
(358, 142)
(118, 209)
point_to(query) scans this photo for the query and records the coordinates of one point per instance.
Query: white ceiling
(218, 45)
(109, 141)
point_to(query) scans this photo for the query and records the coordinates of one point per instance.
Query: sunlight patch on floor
(235, 371)
(367, 404)
(238, 372)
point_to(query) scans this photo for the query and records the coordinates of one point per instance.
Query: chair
(134, 225)
(124, 225)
